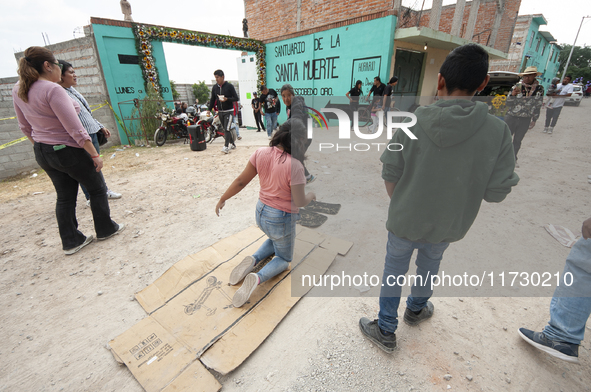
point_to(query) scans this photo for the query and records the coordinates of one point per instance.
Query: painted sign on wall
(325, 65)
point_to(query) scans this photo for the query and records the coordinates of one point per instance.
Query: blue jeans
(398, 254)
(271, 122)
(67, 168)
(279, 226)
(571, 305)
(96, 145)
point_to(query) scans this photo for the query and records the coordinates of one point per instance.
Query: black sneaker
(371, 330)
(562, 350)
(415, 319)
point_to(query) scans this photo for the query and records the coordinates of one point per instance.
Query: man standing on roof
(524, 104)
(223, 96)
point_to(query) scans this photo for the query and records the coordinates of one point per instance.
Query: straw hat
(531, 70)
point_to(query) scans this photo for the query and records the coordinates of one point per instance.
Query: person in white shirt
(562, 92)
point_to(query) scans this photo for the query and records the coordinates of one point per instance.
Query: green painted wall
(125, 81)
(323, 66)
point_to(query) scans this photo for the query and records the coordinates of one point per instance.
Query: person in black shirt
(271, 106)
(388, 93)
(354, 95)
(256, 110)
(377, 89)
(223, 96)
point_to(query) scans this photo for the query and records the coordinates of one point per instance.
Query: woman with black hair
(282, 181)
(92, 125)
(353, 96)
(49, 119)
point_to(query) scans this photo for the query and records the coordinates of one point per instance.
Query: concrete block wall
(186, 93)
(17, 158)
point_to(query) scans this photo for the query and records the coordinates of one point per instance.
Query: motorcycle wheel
(160, 137)
(207, 134)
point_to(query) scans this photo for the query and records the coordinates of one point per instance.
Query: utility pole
(573, 47)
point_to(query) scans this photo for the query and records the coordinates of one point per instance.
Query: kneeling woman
(282, 181)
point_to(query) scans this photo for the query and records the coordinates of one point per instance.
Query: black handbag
(102, 139)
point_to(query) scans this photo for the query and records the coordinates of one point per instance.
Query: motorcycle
(211, 126)
(176, 126)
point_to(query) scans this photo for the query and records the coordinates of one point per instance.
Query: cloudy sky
(22, 23)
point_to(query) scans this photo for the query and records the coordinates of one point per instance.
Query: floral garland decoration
(145, 34)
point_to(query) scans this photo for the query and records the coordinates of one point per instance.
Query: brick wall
(484, 22)
(518, 44)
(268, 19)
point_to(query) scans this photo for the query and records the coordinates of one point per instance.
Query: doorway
(408, 67)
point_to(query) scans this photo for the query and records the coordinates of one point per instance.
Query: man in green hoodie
(436, 184)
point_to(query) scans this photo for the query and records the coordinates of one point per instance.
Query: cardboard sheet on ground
(191, 318)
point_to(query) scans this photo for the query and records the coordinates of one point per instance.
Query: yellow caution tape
(13, 142)
(104, 104)
(25, 138)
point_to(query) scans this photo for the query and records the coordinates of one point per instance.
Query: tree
(201, 92)
(175, 94)
(580, 62)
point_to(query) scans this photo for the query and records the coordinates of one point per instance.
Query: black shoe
(259, 130)
(415, 319)
(371, 330)
(562, 350)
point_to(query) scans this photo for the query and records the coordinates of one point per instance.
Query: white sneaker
(112, 195)
(244, 292)
(233, 146)
(225, 150)
(550, 130)
(87, 241)
(241, 270)
(119, 230)
(545, 129)
(88, 203)
(270, 137)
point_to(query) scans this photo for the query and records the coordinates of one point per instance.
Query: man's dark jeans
(66, 168)
(519, 127)
(552, 115)
(259, 120)
(226, 120)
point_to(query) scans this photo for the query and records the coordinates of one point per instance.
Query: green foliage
(148, 112)
(580, 62)
(175, 94)
(201, 92)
